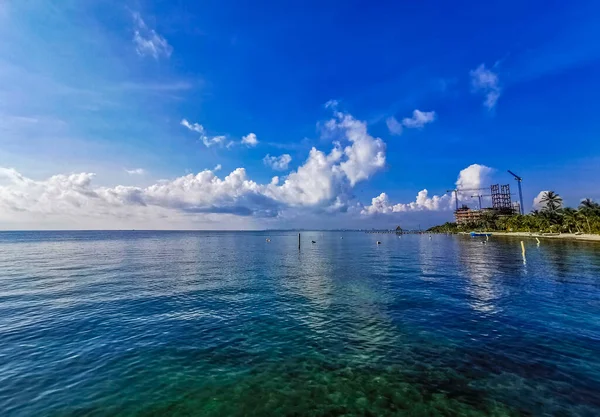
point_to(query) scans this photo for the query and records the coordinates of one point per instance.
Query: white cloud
(366, 155)
(332, 104)
(382, 205)
(486, 81)
(418, 119)
(379, 205)
(472, 177)
(147, 42)
(394, 126)
(74, 195)
(323, 183)
(136, 171)
(317, 181)
(218, 167)
(326, 180)
(195, 127)
(250, 140)
(424, 202)
(208, 141)
(278, 163)
(537, 201)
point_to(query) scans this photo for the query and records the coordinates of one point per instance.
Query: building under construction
(502, 205)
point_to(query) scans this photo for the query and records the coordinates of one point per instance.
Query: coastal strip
(564, 236)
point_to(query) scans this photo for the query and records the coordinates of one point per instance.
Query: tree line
(552, 217)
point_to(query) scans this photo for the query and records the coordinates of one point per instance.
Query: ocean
(144, 323)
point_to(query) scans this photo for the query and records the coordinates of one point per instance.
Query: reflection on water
(480, 263)
(184, 323)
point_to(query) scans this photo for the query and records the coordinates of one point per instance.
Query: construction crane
(456, 190)
(482, 195)
(479, 197)
(519, 180)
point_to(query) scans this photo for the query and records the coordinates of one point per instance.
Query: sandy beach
(567, 236)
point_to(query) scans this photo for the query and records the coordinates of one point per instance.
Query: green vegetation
(552, 218)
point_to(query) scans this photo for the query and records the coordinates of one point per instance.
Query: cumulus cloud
(325, 181)
(136, 171)
(484, 80)
(322, 183)
(424, 202)
(471, 177)
(75, 194)
(58, 193)
(379, 205)
(537, 201)
(278, 163)
(382, 205)
(250, 140)
(418, 120)
(365, 156)
(147, 42)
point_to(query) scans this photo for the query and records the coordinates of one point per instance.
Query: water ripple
(208, 323)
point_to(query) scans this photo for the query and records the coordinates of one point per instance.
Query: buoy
(268, 240)
(378, 242)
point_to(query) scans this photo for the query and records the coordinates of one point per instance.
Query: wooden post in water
(298, 241)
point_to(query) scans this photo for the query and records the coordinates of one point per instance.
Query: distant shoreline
(563, 236)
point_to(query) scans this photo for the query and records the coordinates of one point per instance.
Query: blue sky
(417, 92)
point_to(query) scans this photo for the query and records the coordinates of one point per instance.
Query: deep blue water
(218, 323)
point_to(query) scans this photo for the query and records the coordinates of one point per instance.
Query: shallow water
(209, 323)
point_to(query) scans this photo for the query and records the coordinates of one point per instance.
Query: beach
(563, 236)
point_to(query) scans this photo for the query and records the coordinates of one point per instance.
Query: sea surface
(143, 323)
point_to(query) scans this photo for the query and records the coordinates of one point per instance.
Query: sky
(156, 114)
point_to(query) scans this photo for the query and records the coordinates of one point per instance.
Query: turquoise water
(227, 324)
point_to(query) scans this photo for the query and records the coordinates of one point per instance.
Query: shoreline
(586, 237)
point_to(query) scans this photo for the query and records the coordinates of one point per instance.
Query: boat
(476, 234)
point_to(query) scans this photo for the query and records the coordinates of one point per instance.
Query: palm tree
(589, 209)
(489, 220)
(552, 201)
(588, 203)
(569, 219)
